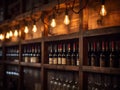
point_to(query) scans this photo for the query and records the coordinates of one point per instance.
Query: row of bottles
(104, 53)
(63, 53)
(103, 82)
(12, 53)
(31, 53)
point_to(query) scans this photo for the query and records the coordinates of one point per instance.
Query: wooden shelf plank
(11, 43)
(102, 31)
(11, 62)
(37, 65)
(31, 41)
(105, 70)
(62, 67)
(62, 37)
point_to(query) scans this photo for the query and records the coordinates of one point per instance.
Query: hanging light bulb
(2, 37)
(26, 30)
(66, 19)
(53, 22)
(103, 11)
(16, 33)
(34, 27)
(7, 35)
(10, 33)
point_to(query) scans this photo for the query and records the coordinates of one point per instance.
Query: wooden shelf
(37, 65)
(102, 31)
(11, 62)
(38, 40)
(62, 67)
(11, 43)
(62, 37)
(105, 70)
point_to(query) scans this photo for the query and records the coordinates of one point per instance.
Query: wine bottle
(50, 54)
(73, 55)
(68, 55)
(98, 50)
(107, 53)
(117, 54)
(112, 55)
(38, 51)
(102, 55)
(89, 54)
(77, 54)
(64, 54)
(59, 54)
(33, 51)
(93, 54)
(55, 59)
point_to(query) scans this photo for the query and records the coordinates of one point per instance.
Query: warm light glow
(66, 20)
(34, 28)
(1, 36)
(10, 33)
(26, 30)
(19, 33)
(103, 11)
(16, 33)
(7, 35)
(53, 23)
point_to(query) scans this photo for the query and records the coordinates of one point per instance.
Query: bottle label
(92, 61)
(63, 61)
(78, 63)
(102, 61)
(73, 62)
(112, 61)
(50, 61)
(55, 61)
(59, 60)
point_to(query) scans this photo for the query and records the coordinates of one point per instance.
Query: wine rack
(31, 53)
(12, 53)
(86, 61)
(103, 52)
(63, 52)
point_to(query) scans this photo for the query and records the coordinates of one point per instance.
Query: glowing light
(53, 23)
(10, 33)
(7, 35)
(16, 33)
(26, 30)
(1, 36)
(34, 28)
(66, 20)
(103, 11)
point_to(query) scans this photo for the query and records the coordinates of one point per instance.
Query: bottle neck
(103, 46)
(94, 46)
(69, 49)
(112, 46)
